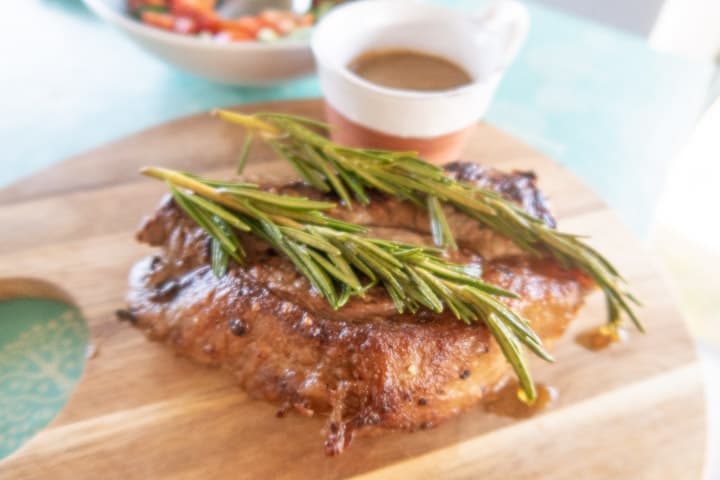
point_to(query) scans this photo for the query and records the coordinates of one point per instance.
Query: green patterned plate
(42, 356)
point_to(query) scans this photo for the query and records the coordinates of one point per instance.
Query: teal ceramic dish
(42, 356)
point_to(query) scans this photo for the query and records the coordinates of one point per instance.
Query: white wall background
(686, 27)
(633, 15)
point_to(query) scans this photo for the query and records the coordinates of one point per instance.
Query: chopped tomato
(270, 16)
(190, 7)
(159, 20)
(237, 34)
(170, 22)
(200, 11)
(209, 22)
(306, 20)
(280, 21)
(251, 24)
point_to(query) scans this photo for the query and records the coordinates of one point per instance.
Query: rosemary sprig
(341, 262)
(345, 171)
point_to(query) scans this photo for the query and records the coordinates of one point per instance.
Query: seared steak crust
(364, 366)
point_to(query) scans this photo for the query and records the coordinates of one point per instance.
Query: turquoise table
(597, 100)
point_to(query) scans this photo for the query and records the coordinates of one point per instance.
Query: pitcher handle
(507, 19)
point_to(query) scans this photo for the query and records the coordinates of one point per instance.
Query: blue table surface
(597, 100)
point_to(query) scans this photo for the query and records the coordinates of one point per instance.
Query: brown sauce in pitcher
(409, 70)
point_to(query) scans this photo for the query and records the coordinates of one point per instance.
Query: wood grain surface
(635, 410)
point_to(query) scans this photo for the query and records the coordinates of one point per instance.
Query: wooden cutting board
(636, 410)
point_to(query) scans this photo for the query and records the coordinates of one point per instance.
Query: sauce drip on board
(506, 401)
(409, 70)
(600, 338)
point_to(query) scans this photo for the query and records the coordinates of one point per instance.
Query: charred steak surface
(364, 366)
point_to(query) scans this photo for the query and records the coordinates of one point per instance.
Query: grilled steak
(365, 366)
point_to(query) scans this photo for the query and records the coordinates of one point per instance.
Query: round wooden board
(636, 410)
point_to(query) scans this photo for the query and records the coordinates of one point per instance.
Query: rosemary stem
(248, 121)
(180, 180)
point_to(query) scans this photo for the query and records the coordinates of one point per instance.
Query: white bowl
(235, 63)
